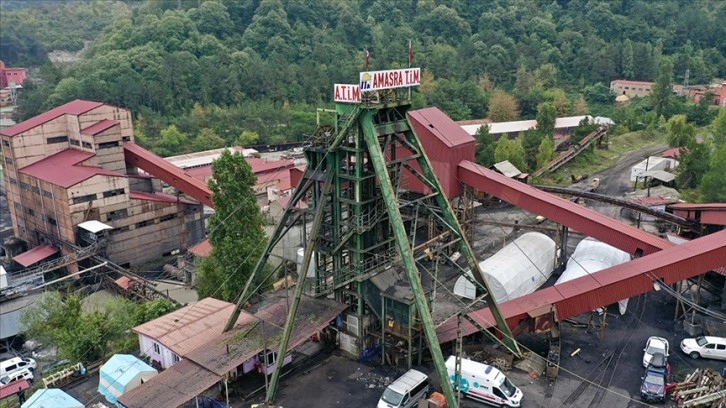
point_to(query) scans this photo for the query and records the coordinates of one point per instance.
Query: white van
(16, 364)
(23, 374)
(406, 391)
(484, 383)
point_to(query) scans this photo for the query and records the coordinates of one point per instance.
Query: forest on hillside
(204, 73)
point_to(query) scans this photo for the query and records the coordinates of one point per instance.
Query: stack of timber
(702, 388)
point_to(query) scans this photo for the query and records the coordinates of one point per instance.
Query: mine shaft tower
(352, 184)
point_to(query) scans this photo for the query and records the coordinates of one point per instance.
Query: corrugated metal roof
(205, 366)
(12, 388)
(196, 159)
(99, 127)
(189, 327)
(517, 126)
(661, 175)
(507, 169)
(263, 166)
(160, 197)
(607, 286)
(201, 249)
(171, 388)
(230, 349)
(64, 168)
(629, 82)
(35, 255)
(440, 126)
(672, 153)
(705, 206)
(76, 107)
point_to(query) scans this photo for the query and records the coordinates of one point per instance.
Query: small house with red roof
(67, 166)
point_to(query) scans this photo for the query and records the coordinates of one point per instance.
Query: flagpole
(410, 61)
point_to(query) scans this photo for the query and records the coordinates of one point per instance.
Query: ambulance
(483, 383)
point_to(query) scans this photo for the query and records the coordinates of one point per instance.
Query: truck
(484, 383)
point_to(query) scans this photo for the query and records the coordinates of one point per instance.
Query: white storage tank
(518, 269)
(591, 256)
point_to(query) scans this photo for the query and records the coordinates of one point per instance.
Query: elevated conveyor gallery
(168, 173)
(656, 259)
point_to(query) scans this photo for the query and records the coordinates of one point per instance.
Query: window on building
(157, 349)
(58, 139)
(6, 143)
(126, 139)
(52, 221)
(113, 193)
(25, 186)
(143, 224)
(30, 211)
(75, 142)
(84, 199)
(8, 160)
(167, 217)
(118, 214)
(47, 193)
(87, 145)
(13, 181)
(35, 189)
(119, 230)
(108, 145)
(175, 358)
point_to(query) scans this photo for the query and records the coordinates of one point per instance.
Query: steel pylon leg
(406, 251)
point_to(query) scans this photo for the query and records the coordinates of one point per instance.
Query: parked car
(655, 345)
(16, 364)
(24, 374)
(706, 347)
(655, 380)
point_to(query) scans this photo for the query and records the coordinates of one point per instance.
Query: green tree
(580, 107)
(236, 229)
(79, 334)
(531, 141)
(713, 184)
(248, 138)
(693, 165)
(502, 107)
(662, 90)
(546, 118)
(207, 139)
(627, 66)
(484, 146)
(512, 150)
(679, 132)
(545, 152)
(172, 141)
(718, 128)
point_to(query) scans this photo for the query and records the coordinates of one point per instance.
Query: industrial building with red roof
(68, 165)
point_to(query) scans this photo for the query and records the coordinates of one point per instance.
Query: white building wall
(165, 356)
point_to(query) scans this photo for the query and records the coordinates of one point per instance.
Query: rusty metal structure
(362, 225)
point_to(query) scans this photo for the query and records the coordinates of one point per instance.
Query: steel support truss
(353, 184)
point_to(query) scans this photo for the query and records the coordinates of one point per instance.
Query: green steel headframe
(352, 183)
